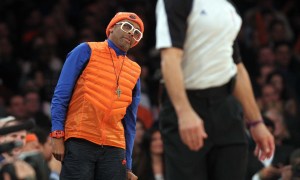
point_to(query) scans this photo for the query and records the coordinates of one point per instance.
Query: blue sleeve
(130, 122)
(74, 65)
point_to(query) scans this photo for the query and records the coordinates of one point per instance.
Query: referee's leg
(227, 162)
(181, 163)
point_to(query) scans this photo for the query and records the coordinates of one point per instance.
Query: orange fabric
(145, 116)
(31, 137)
(95, 112)
(261, 29)
(125, 15)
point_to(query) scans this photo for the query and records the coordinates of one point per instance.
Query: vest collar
(115, 48)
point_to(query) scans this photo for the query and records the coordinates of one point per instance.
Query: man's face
(32, 102)
(17, 107)
(16, 136)
(123, 40)
(283, 55)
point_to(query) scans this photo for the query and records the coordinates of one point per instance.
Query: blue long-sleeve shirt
(73, 66)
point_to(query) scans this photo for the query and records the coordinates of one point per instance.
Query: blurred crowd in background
(36, 36)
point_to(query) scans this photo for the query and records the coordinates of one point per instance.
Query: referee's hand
(265, 145)
(191, 129)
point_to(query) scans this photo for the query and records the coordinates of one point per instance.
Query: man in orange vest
(95, 102)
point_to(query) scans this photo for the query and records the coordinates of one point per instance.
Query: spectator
(34, 110)
(19, 136)
(84, 119)
(16, 107)
(152, 156)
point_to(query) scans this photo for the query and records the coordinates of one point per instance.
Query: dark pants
(88, 161)
(224, 154)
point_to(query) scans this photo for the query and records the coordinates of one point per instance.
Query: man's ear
(111, 30)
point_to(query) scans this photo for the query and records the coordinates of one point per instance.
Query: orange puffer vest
(95, 112)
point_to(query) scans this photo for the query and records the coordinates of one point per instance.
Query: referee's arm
(243, 92)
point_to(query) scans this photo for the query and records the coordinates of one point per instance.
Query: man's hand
(269, 172)
(131, 176)
(24, 170)
(192, 130)
(286, 172)
(58, 148)
(265, 145)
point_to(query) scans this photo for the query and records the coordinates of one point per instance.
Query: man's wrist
(251, 124)
(57, 134)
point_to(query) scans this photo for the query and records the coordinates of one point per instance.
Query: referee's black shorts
(224, 154)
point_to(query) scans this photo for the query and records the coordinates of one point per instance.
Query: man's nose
(131, 31)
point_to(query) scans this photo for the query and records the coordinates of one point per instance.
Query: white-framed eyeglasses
(127, 27)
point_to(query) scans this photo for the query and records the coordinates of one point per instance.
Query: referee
(200, 119)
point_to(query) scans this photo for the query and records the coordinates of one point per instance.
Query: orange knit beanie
(31, 137)
(125, 15)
